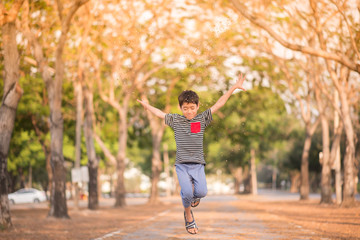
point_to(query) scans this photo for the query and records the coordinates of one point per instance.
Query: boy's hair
(188, 96)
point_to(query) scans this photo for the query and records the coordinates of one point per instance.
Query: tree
(29, 148)
(119, 86)
(87, 85)
(9, 102)
(326, 20)
(249, 121)
(58, 207)
(83, 87)
(305, 101)
(339, 82)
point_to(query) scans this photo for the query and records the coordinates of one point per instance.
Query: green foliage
(253, 119)
(292, 159)
(25, 145)
(31, 131)
(24, 150)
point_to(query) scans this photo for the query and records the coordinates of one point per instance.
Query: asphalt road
(217, 217)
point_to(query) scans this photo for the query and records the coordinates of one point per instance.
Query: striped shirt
(189, 135)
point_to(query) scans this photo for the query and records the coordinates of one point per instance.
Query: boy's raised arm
(157, 112)
(222, 100)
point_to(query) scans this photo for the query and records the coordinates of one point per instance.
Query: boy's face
(189, 110)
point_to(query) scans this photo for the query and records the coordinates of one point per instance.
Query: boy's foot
(195, 202)
(190, 224)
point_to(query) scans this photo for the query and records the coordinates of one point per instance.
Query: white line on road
(146, 220)
(108, 235)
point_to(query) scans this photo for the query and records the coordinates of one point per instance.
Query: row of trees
(104, 54)
(324, 32)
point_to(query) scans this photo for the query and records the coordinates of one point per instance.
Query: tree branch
(241, 8)
(105, 150)
(38, 52)
(9, 16)
(341, 11)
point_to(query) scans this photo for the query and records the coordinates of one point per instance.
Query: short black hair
(188, 96)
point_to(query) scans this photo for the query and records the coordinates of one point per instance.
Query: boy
(189, 131)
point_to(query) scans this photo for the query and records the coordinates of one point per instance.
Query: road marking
(108, 235)
(158, 215)
(146, 220)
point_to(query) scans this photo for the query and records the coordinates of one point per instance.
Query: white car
(27, 195)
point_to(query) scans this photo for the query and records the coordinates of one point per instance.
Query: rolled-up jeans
(190, 174)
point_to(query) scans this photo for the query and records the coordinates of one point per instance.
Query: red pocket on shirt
(195, 127)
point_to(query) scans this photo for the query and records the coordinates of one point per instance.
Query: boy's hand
(153, 110)
(240, 82)
(144, 103)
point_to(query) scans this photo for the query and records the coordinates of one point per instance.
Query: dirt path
(226, 217)
(218, 217)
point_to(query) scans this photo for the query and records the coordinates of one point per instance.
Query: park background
(73, 70)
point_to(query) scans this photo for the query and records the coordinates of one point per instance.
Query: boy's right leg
(186, 185)
(187, 195)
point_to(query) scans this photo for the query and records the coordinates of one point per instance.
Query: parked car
(27, 195)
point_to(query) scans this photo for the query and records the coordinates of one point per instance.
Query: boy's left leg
(185, 181)
(199, 180)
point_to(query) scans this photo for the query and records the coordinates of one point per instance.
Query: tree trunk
(50, 175)
(325, 158)
(30, 176)
(335, 151)
(120, 191)
(349, 160)
(356, 181)
(326, 166)
(253, 173)
(238, 179)
(122, 110)
(54, 89)
(93, 161)
(304, 177)
(156, 165)
(11, 97)
(79, 110)
(247, 179)
(338, 180)
(167, 169)
(120, 159)
(274, 176)
(295, 178)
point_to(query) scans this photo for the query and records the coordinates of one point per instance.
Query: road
(265, 216)
(218, 217)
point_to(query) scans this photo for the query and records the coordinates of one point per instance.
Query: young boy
(189, 131)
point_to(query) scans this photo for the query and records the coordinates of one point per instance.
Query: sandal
(195, 202)
(189, 225)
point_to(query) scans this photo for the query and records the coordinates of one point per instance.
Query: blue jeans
(189, 174)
